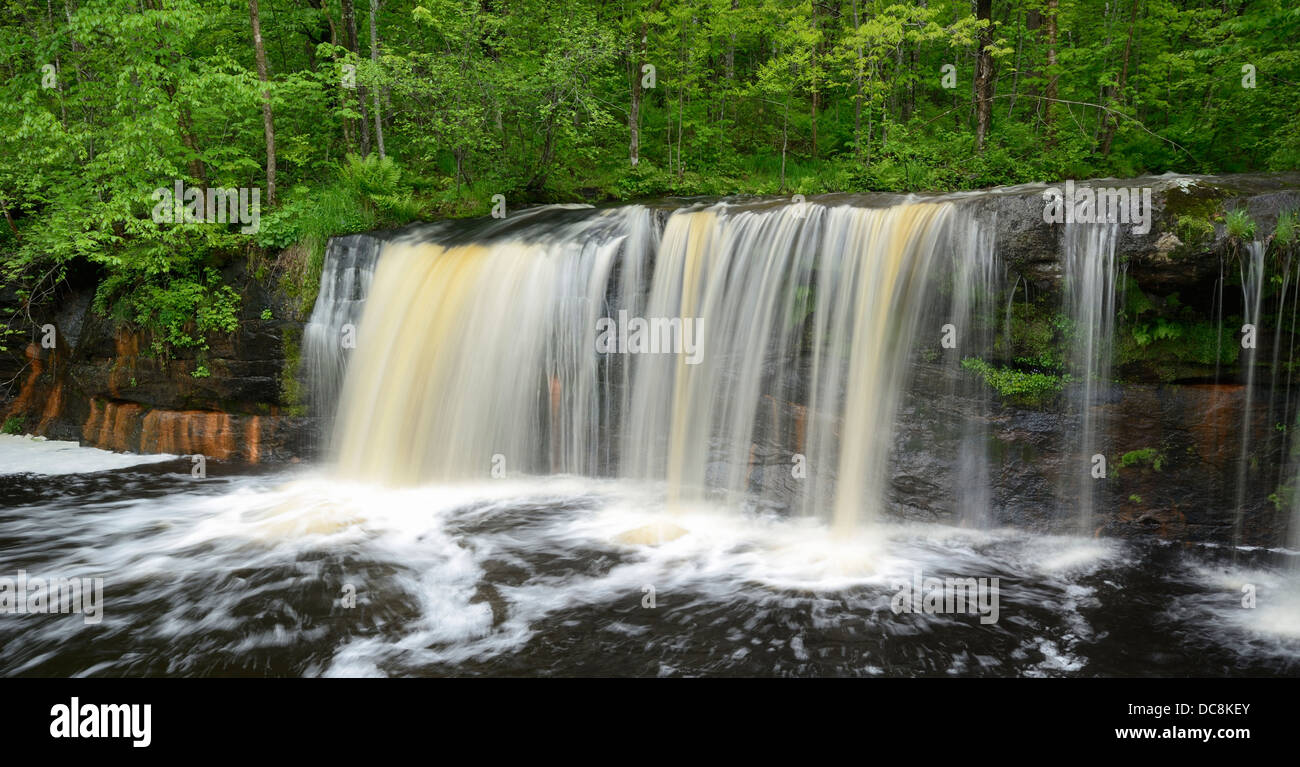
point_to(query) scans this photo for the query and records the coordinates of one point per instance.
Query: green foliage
(1147, 456)
(1039, 336)
(364, 194)
(1285, 233)
(181, 311)
(1031, 389)
(533, 101)
(1194, 231)
(1240, 225)
(13, 424)
(1162, 338)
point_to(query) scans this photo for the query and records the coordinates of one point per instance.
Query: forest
(345, 117)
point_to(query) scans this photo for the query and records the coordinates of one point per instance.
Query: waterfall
(1089, 294)
(480, 356)
(1252, 290)
(345, 282)
(978, 280)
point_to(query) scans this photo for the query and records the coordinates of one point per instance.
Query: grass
(1240, 225)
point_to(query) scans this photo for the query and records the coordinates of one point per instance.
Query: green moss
(1030, 389)
(1191, 213)
(14, 423)
(1198, 201)
(1039, 335)
(1196, 232)
(1147, 456)
(291, 393)
(1135, 498)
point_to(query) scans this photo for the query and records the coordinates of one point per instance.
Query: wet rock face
(1171, 457)
(102, 385)
(1186, 237)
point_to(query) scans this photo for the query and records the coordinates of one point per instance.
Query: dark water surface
(250, 573)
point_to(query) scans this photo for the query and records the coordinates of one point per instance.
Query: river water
(252, 572)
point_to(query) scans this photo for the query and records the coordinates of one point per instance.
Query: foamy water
(37, 455)
(252, 575)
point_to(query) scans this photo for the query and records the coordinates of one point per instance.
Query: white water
(37, 455)
(223, 575)
(1089, 291)
(1252, 290)
(475, 357)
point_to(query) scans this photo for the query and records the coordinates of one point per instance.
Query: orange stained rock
(126, 346)
(253, 439)
(53, 406)
(186, 432)
(111, 425)
(23, 401)
(1217, 422)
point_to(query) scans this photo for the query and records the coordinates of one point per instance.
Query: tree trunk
(634, 114)
(857, 91)
(1118, 92)
(983, 75)
(731, 48)
(374, 59)
(350, 39)
(1049, 93)
(267, 122)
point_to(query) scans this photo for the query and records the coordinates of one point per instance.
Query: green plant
(1194, 231)
(1145, 456)
(266, 314)
(1031, 389)
(14, 424)
(201, 371)
(1240, 225)
(363, 195)
(179, 311)
(1285, 232)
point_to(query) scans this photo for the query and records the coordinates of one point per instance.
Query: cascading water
(1090, 276)
(345, 282)
(1252, 290)
(481, 356)
(977, 281)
